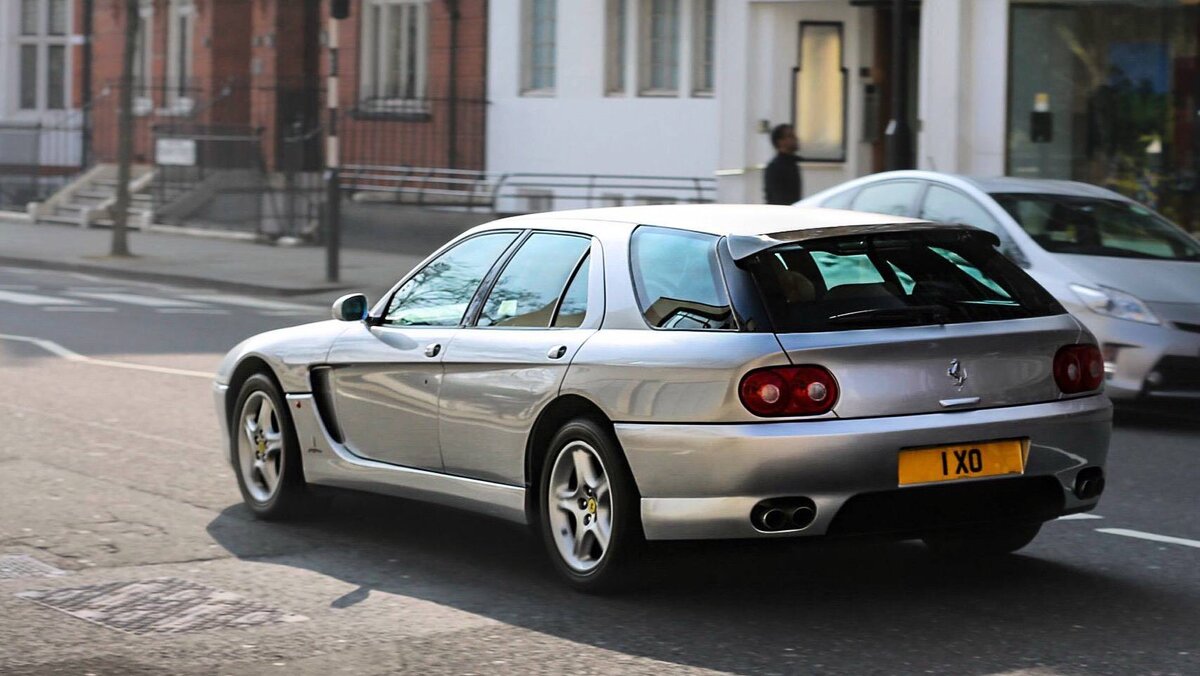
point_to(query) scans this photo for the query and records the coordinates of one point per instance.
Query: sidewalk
(229, 265)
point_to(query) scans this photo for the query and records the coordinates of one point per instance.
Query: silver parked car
(1131, 276)
(613, 376)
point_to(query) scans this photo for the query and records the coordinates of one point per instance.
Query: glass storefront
(1108, 92)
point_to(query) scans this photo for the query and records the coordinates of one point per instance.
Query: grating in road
(19, 565)
(159, 606)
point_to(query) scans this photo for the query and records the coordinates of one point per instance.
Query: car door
(387, 372)
(501, 371)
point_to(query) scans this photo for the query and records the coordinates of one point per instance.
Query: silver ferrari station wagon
(617, 376)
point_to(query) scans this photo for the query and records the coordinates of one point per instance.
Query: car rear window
(894, 279)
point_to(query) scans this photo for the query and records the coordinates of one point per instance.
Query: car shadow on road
(738, 607)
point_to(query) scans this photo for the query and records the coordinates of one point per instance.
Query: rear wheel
(589, 508)
(983, 541)
(265, 453)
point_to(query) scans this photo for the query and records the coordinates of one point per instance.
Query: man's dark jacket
(781, 181)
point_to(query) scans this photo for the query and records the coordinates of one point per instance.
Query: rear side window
(527, 291)
(678, 280)
(894, 279)
(896, 198)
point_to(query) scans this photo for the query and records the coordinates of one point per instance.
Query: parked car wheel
(589, 508)
(983, 541)
(265, 452)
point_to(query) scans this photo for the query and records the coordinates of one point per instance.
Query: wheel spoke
(584, 471)
(568, 505)
(582, 542)
(250, 429)
(264, 415)
(270, 473)
(602, 533)
(601, 489)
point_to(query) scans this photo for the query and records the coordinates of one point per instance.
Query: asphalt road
(111, 470)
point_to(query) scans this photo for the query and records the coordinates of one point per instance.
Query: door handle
(432, 349)
(557, 352)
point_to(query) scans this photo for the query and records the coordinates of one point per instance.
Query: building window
(615, 45)
(143, 67)
(819, 108)
(42, 49)
(539, 43)
(395, 55)
(181, 32)
(660, 48)
(703, 46)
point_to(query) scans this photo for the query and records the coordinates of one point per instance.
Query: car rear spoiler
(742, 247)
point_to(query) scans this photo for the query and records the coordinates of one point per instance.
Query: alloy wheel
(260, 447)
(580, 506)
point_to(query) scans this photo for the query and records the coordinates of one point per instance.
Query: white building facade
(1104, 91)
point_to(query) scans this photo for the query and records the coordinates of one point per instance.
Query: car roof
(1000, 184)
(722, 219)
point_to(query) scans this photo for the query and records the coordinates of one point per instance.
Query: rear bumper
(702, 481)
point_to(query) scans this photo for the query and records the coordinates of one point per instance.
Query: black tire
(291, 497)
(616, 567)
(982, 541)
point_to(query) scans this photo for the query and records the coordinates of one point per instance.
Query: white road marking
(80, 308)
(290, 313)
(60, 351)
(136, 299)
(19, 287)
(192, 311)
(250, 302)
(35, 299)
(1079, 517)
(1153, 537)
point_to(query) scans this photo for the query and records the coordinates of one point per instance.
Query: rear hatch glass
(914, 278)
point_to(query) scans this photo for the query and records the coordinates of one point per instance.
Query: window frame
(528, 85)
(703, 38)
(41, 40)
(646, 66)
(375, 66)
(721, 273)
(617, 46)
(143, 60)
(476, 308)
(179, 73)
(795, 100)
(378, 316)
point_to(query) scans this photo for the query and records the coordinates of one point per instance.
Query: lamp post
(338, 10)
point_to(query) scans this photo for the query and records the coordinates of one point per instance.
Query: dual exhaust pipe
(783, 514)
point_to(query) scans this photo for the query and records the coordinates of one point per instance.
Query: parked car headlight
(1114, 303)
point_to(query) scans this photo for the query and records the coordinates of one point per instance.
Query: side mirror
(350, 308)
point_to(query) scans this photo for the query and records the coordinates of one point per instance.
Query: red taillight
(1078, 368)
(788, 390)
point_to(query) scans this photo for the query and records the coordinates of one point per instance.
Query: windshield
(1098, 227)
(894, 279)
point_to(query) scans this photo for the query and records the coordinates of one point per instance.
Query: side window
(840, 200)
(944, 205)
(574, 303)
(527, 290)
(893, 197)
(678, 280)
(438, 295)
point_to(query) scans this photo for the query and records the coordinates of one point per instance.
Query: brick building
(412, 78)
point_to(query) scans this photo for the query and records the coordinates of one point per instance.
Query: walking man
(781, 180)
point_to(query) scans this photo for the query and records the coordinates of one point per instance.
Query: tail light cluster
(788, 390)
(1078, 368)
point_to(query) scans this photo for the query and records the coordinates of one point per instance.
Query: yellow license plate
(963, 461)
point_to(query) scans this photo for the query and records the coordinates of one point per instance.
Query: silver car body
(457, 424)
(1171, 289)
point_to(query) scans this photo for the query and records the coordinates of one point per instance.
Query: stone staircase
(87, 201)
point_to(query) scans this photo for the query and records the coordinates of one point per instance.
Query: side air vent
(323, 399)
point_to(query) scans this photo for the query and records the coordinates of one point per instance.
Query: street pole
(120, 216)
(899, 134)
(85, 104)
(333, 190)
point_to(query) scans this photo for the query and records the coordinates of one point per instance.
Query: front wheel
(590, 519)
(983, 541)
(265, 452)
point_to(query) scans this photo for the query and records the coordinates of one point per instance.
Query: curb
(169, 278)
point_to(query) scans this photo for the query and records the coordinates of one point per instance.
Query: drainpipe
(452, 104)
(85, 103)
(899, 134)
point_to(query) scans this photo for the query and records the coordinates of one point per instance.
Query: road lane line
(1150, 536)
(60, 351)
(1079, 517)
(247, 301)
(79, 308)
(35, 299)
(192, 311)
(136, 299)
